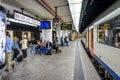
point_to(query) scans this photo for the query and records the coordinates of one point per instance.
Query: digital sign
(66, 26)
(45, 25)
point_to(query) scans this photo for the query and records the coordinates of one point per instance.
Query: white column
(59, 35)
(64, 33)
(47, 35)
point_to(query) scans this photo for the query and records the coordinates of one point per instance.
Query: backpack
(20, 58)
(53, 45)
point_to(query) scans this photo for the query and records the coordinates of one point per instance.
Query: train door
(91, 43)
(86, 38)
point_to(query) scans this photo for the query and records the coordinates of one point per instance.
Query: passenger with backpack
(49, 48)
(24, 47)
(16, 50)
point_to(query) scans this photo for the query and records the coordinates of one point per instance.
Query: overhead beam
(46, 6)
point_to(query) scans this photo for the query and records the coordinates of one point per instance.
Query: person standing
(56, 40)
(24, 47)
(9, 45)
(16, 50)
(61, 39)
(65, 41)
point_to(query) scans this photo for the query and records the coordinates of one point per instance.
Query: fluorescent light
(75, 9)
(17, 21)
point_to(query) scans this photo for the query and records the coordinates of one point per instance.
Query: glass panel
(116, 30)
(109, 32)
(2, 37)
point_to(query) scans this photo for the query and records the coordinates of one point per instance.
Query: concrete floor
(56, 67)
(62, 66)
(88, 69)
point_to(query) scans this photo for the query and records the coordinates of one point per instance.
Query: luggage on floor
(49, 52)
(59, 50)
(20, 58)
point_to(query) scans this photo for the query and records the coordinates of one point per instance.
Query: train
(101, 40)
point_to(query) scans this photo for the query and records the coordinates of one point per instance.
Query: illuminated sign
(2, 37)
(24, 18)
(66, 26)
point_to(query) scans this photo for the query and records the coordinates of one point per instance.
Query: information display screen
(2, 36)
(66, 26)
(45, 25)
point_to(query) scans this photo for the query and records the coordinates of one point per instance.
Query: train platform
(72, 64)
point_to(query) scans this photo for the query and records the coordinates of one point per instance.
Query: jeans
(42, 50)
(32, 49)
(24, 53)
(15, 54)
(49, 51)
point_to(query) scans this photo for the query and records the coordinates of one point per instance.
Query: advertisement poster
(2, 37)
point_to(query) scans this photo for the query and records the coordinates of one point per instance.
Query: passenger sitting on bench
(49, 48)
(37, 48)
(55, 46)
(43, 48)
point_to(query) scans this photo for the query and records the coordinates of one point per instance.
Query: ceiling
(91, 9)
(45, 9)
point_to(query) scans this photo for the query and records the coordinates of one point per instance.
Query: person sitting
(42, 48)
(49, 48)
(33, 47)
(44, 43)
(55, 46)
(37, 48)
(39, 44)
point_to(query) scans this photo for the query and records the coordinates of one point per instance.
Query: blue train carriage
(87, 40)
(102, 42)
(107, 42)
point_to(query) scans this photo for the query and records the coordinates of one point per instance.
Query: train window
(116, 30)
(109, 32)
(103, 31)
